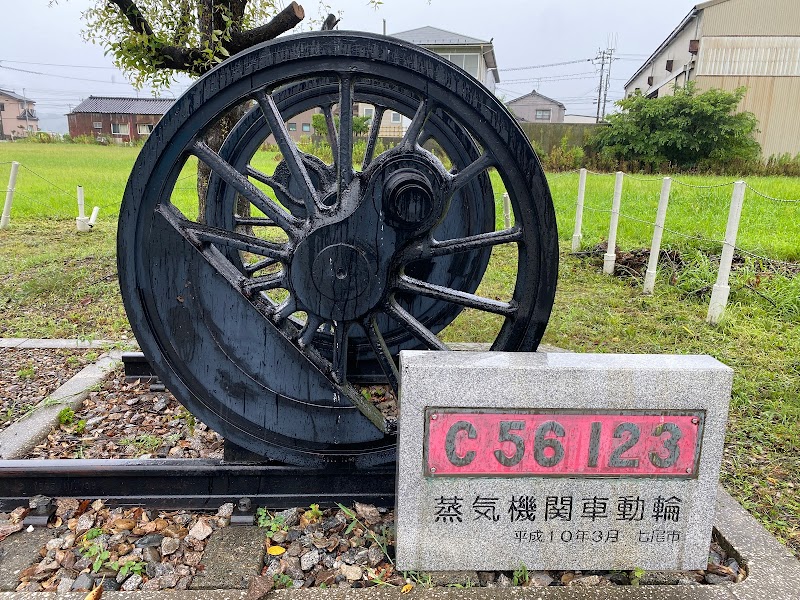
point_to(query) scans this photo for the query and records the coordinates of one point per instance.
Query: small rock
(714, 558)
(201, 530)
(290, 516)
(716, 579)
(295, 549)
(539, 579)
(65, 585)
(368, 513)
(486, 577)
(566, 578)
(619, 578)
(183, 582)
(151, 540)
(336, 521)
(151, 555)
(83, 583)
(131, 583)
(374, 556)
(274, 568)
(291, 567)
(183, 519)
(123, 524)
(39, 502)
(351, 572)
(226, 510)
(110, 585)
(259, 588)
(192, 558)
(279, 537)
(733, 565)
(309, 560)
(54, 544)
(169, 546)
(327, 577)
(85, 523)
(362, 556)
(503, 581)
(160, 404)
(155, 569)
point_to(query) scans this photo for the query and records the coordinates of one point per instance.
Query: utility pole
(608, 81)
(602, 59)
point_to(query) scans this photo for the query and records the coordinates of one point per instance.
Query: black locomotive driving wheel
(368, 261)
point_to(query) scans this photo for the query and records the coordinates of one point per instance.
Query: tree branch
(135, 17)
(280, 23)
(193, 60)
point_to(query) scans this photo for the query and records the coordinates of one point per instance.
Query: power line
(558, 64)
(22, 62)
(63, 76)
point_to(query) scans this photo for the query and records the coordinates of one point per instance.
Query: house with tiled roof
(17, 116)
(120, 120)
(537, 108)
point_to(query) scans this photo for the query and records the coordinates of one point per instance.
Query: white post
(577, 236)
(658, 232)
(82, 221)
(506, 211)
(610, 257)
(5, 220)
(721, 289)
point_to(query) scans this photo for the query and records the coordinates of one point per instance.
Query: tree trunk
(215, 138)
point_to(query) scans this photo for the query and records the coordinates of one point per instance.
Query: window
(144, 128)
(542, 114)
(2, 107)
(120, 129)
(97, 124)
(468, 62)
(292, 126)
(369, 112)
(306, 127)
(670, 65)
(397, 117)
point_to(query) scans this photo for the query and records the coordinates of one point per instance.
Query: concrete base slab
(773, 574)
(19, 552)
(232, 556)
(20, 437)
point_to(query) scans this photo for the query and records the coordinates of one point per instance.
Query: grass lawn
(55, 282)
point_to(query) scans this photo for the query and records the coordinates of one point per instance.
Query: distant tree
(360, 124)
(685, 130)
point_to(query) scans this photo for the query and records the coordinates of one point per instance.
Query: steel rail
(191, 483)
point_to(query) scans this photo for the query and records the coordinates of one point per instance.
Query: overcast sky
(525, 33)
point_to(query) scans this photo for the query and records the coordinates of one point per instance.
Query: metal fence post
(721, 290)
(506, 211)
(658, 232)
(610, 257)
(5, 220)
(577, 236)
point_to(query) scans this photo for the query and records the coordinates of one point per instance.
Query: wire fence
(741, 191)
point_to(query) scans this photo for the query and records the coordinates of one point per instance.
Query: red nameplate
(501, 443)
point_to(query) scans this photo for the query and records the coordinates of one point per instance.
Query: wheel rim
(238, 361)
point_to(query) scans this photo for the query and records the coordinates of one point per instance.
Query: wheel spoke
(339, 361)
(423, 250)
(241, 184)
(374, 130)
(261, 264)
(472, 171)
(286, 308)
(262, 284)
(271, 182)
(413, 132)
(409, 284)
(289, 151)
(253, 222)
(422, 333)
(332, 137)
(197, 233)
(381, 351)
(345, 164)
(309, 330)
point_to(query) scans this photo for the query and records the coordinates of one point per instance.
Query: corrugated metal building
(731, 43)
(120, 120)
